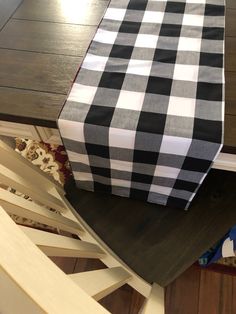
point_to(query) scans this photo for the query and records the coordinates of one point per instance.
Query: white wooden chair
(29, 281)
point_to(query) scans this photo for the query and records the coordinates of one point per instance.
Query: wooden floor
(159, 243)
(196, 291)
(42, 44)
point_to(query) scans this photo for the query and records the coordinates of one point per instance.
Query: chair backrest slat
(56, 245)
(31, 283)
(100, 283)
(27, 187)
(21, 166)
(26, 271)
(155, 302)
(19, 206)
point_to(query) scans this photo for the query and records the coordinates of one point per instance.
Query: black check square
(98, 114)
(214, 10)
(142, 156)
(185, 185)
(104, 172)
(165, 55)
(170, 30)
(142, 178)
(112, 80)
(97, 150)
(151, 122)
(176, 202)
(209, 91)
(175, 7)
(159, 85)
(206, 130)
(213, 33)
(137, 5)
(120, 51)
(130, 27)
(211, 59)
(195, 164)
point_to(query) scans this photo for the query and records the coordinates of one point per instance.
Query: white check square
(153, 17)
(184, 72)
(139, 67)
(193, 20)
(83, 176)
(105, 37)
(121, 165)
(121, 138)
(166, 172)
(189, 44)
(115, 14)
(67, 129)
(180, 106)
(76, 157)
(146, 41)
(195, 1)
(130, 100)
(175, 145)
(94, 63)
(121, 183)
(82, 93)
(160, 189)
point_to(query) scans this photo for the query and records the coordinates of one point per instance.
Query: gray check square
(125, 119)
(184, 89)
(106, 97)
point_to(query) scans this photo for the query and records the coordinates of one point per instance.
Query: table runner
(144, 118)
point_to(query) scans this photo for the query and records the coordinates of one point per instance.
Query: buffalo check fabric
(144, 118)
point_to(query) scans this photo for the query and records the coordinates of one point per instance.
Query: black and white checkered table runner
(144, 118)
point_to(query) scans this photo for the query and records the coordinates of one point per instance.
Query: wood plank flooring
(196, 291)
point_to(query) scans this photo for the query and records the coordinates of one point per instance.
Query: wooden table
(42, 43)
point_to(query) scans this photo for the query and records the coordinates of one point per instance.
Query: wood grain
(230, 131)
(47, 37)
(182, 295)
(216, 293)
(169, 240)
(230, 27)
(87, 12)
(7, 8)
(39, 108)
(231, 4)
(35, 71)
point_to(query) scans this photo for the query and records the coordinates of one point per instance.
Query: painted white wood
(26, 187)
(17, 163)
(12, 129)
(110, 259)
(31, 283)
(19, 206)
(155, 304)
(56, 245)
(225, 162)
(100, 283)
(49, 135)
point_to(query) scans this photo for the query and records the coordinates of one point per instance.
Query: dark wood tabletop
(42, 44)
